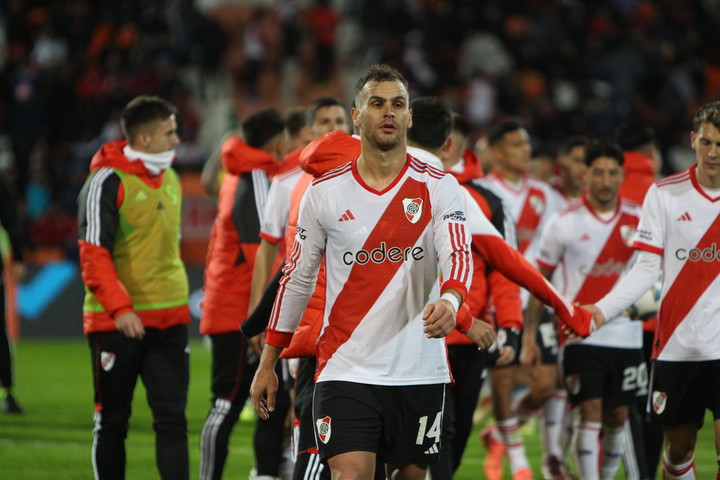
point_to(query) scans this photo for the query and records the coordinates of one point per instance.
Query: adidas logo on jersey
(685, 217)
(585, 238)
(346, 216)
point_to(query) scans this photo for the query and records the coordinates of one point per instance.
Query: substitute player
(678, 232)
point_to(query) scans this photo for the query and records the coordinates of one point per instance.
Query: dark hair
(294, 119)
(461, 124)
(572, 142)
(499, 130)
(604, 147)
(710, 112)
(632, 135)
(379, 73)
(431, 122)
(143, 110)
(319, 103)
(262, 126)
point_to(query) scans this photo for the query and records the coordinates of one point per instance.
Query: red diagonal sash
(692, 281)
(366, 282)
(529, 218)
(608, 265)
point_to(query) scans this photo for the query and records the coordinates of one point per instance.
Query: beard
(385, 142)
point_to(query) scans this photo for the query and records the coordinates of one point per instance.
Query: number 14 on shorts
(433, 432)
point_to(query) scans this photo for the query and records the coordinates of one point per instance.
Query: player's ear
(447, 145)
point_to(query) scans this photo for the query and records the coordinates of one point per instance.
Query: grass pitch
(52, 440)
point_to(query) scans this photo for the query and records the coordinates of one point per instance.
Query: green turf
(52, 440)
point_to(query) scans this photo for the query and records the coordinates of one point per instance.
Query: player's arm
(514, 266)
(649, 240)
(452, 245)
(639, 279)
(274, 221)
(265, 382)
(98, 206)
(264, 261)
(210, 176)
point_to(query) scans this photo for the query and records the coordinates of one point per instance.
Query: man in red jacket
(234, 241)
(136, 312)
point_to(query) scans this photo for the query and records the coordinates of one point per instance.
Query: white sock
(613, 443)
(553, 424)
(683, 471)
(587, 449)
(513, 442)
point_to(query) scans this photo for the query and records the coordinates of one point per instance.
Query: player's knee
(678, 452)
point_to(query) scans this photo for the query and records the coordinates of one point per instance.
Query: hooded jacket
(128, 217)
(639, 176)
(235, 236)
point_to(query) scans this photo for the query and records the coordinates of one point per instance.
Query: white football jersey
(531, 206)
(681, 222)
(277, 208)
(382, 251)
(589, 256)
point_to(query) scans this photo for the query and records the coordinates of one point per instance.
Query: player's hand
(597, 315)
(530, 355)
(263, 390)
(507, 355)
(256, 343)
(508, 339)
(576, 322)
(130, 325)
(438, 319)
(481, 333)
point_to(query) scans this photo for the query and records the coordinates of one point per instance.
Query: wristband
(452, 299)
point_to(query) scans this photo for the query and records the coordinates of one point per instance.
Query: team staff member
(381, 367)
(678, 232)
(136, 312)
(234, 239)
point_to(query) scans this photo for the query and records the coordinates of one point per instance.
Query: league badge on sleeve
(413, 209)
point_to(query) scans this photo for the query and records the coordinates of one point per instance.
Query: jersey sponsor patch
(413, 209)
(107, 360)
(659, 401)
(323, 429)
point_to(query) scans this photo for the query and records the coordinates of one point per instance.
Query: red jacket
(487, 282)
(639, 176)
(235, 238)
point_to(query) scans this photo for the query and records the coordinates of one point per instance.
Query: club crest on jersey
(572, 382)
(537, 203)
(627, 232)
(323, 429)
(659, 400)
(107, 360)
(413, 209)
